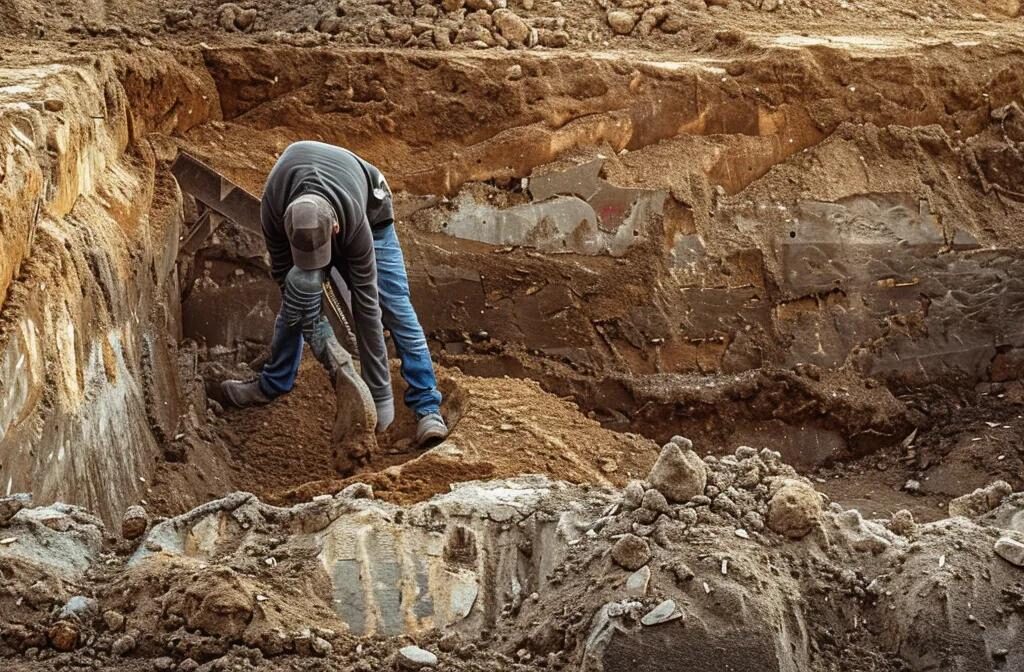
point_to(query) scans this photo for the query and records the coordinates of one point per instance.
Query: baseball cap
(308, 222)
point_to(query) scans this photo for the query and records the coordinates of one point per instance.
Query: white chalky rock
(1010, 550)
(415, 658)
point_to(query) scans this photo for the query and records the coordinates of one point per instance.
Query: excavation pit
(605, 253)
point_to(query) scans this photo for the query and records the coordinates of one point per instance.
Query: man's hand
(385, 414)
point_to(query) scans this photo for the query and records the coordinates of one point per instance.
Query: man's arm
(277, 244)
(360, 267)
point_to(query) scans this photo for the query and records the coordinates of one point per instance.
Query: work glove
(385, 413)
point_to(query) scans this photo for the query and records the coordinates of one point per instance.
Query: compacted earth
(724, 298)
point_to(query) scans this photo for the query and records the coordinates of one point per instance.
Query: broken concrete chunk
(134, 522)
(980, 501)
(794, 509)
(636, 584)
(9, 506)
(631, 552)
(1010, 550)
(415, 658)
(663, 613)
(679, 474)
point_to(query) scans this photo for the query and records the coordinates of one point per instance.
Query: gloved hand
(385, 413)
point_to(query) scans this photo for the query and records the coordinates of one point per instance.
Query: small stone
(63, 636)
(321, 647)
(633, 495)
(631, 552)
(452, 5)
(679, 474)
(80, 608)
(745, 452)
(415, 658)
(514, 72)
(9, 506)
(663, 613)
(123, 645)
(527, 4)
(356, 491)
(114, 620)
(245, 19)
(134, 522)
(511, 26)
(1010, 550)
(902, 522)
(188, 665)
(794, 509)
(912, 486)
(621, 22)
(53, 105)
(478, 5)
(163, 663)
(636, 584)
(655, 501)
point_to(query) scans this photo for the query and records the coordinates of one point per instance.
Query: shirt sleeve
(361, 272)
(277, 244)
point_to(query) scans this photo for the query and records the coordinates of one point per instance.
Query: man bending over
(325, 207)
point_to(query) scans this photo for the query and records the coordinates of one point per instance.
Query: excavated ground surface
(801, 234)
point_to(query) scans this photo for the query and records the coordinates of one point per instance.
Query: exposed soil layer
(787, 231)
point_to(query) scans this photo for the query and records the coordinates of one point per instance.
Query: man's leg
(399, 317)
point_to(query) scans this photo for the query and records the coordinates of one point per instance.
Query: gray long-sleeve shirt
(361, 198)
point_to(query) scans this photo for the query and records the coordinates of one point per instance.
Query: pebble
(1010, 550)
(134, 522)
(514, 72)
(415, 658)
(188, 665)
(663, 613)
(63, 636)
(621, 22)
(636, 584)
(163, 663)
(123, 645)
(912, 486)
(322, 647)
(113, 619)
(80, 607)
(631, 552)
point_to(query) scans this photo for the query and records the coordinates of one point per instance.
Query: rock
(679, 474)
(80, 608)
(633, 495)
(321, 647)
(794, 509)
(511, 26)
(9, 506)
(245, 19)
(514, 72)
(356, 491)
(452, 5)
(63, 636)
(527, 4)
(1010, 550)
(415, 658)
(401, 33)
(621, 22)
(863, 535)
(478, 5)
(655, 501)
(53, 105)
(163, 663)
(442, 38)
(188, 665)
(912, 486)
(552, 39)
(663, 613)
(631, 552)
(123, 645)
(331, 25)
(134, 522)
(636, 584)
(980, 501)
(114, 620)
(902, 522)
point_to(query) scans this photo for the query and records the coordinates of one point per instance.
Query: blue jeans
(398, 316)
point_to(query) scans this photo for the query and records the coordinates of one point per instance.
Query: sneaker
(244, 393)
(430, 429)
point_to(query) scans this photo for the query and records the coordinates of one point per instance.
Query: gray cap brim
(311, 261)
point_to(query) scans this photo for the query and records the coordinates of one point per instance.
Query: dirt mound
(499, 428)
